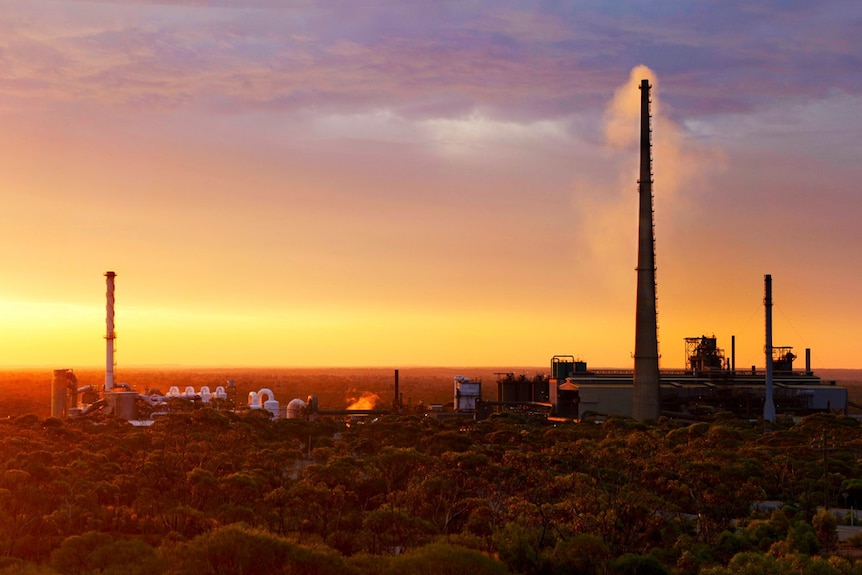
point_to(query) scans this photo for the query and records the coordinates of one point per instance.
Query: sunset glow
(432, 184)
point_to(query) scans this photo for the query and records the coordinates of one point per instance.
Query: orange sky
(292, 187)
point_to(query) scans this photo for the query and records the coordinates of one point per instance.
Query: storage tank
(271, 406)
(513, 389)
(64, 381)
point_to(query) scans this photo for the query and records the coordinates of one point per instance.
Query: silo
(540, 390)
(59, 391)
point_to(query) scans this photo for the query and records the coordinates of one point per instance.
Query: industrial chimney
(110, 335)
(768, 403)
(646, 376)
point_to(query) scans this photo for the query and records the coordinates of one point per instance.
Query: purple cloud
(435, 59)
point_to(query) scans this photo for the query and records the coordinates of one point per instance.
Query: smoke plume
(609, 226)
(622, 115)
(366, 400)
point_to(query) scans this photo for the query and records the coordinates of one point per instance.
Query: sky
(435, 183)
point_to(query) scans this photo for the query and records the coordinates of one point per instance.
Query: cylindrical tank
(540, 389)
(271, 406)
(524, 389)
(58, 393)
(509, 390)
(517, 390)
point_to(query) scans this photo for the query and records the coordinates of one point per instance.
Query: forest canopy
(223, 492)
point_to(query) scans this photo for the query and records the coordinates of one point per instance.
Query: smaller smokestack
(768, 403)
(807, 361)
(396, 403)
(110, 334)
(733, 353)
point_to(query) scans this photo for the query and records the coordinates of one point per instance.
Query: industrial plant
(710, 383)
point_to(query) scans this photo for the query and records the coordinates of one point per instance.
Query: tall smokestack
(768, 403)
(110, 335)
(646, 376)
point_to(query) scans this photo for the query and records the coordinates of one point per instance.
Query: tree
(583, 554)
(237, 549)
(825, 528)
(394, 531)
(748, 563)
(99, 553)
(25, 568)
(443, 559)
(632, 564)
(519, 548)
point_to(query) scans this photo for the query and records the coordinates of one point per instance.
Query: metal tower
(646, 376)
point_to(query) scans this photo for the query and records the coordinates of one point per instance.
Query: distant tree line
(209, 492)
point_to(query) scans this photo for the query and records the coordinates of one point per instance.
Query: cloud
(476, 134)
(421, 61)
(231, 58)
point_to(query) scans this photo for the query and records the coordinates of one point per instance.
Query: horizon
(516, 368)
(444, 185)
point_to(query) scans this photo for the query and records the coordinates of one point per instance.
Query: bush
(631, 564)
(437, 558)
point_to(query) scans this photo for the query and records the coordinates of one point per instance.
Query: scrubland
(216, 492)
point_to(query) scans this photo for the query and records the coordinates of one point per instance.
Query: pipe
(110, 335)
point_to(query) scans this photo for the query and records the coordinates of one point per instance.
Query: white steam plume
(608, 225)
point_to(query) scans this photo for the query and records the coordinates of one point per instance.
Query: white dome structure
(295, 408)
